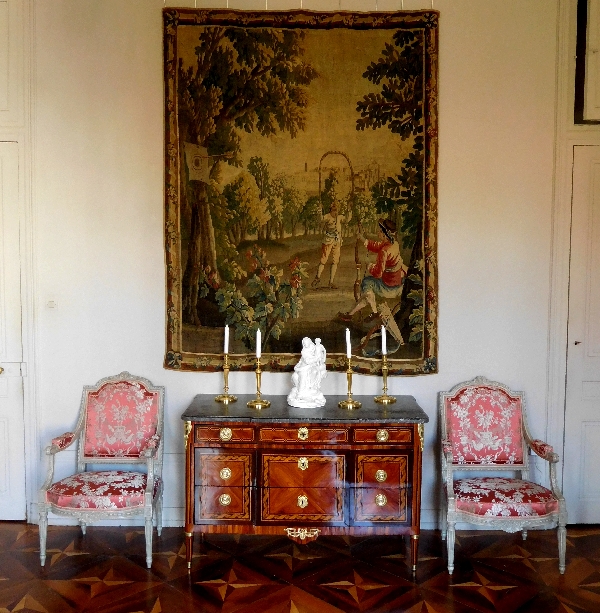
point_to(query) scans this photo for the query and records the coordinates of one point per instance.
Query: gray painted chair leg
(159, 510)
(562, 548)
(43, 529)
(148, 532)
(524, 535)
(450, 541)
(83, 527)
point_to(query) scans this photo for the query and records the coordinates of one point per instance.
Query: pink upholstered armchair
(484, 428)
(120, 422)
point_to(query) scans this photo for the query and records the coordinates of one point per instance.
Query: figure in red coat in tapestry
(386, 275)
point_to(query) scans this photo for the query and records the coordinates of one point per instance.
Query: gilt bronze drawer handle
(302, 501)
(381, 500)
(303, 433)
(381, 476)
(225, 473)
(224, 499)
(303, 463)
(382, 436)
(225, 434)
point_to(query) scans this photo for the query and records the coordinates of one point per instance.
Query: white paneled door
(581, 483)
(12, 438)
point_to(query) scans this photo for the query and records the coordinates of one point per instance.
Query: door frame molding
(567, 136)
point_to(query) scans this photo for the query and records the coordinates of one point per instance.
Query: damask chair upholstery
(120, 423)
(484, 429)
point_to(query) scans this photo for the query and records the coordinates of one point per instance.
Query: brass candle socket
(349, 403)
(384, 398)
(258, 402)
(225, 397)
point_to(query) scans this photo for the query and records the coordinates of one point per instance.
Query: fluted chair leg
(159, 510)
(450, 538)
(43, 529)
(562, 548)
(148, 533)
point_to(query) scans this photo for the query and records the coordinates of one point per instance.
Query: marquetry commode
(303, 472)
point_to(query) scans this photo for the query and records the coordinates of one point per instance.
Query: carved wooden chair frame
(451, 515)
(151, 456)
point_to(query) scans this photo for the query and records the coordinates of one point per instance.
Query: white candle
(258, 343)
(226, 344)
(348, 345)
(383, 341)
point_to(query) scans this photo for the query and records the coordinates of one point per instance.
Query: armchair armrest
(447, 468)
(543, 450)
(149, 450)
(61, 442)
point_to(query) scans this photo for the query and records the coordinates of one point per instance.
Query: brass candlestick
(258, 402)
(226, 397)
(384, 398)
(349, 403)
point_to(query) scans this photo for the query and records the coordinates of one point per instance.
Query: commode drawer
(223, 434)
(383, 435)
(303, 434)
(222, 503)
(222, 469)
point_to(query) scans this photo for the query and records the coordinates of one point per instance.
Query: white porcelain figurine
(308, 374)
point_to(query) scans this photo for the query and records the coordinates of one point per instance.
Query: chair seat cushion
(103, 490)
(502, 497)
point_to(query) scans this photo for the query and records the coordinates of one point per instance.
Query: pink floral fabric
(484, 426)
(502, 497)
(541, 448)
(108, 489)
(121, 418)
(64, 440)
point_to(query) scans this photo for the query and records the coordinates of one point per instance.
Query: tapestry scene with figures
(301, 187)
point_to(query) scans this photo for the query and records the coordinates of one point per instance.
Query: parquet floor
(104, 571)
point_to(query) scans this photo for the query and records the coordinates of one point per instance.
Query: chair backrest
(483, 421)
(119, 415)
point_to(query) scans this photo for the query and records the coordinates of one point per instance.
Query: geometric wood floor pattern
(105, 572)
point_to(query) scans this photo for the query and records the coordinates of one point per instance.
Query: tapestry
(301, 187)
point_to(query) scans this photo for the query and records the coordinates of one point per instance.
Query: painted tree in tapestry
(243, 80)
(272, 237)
(399, 107)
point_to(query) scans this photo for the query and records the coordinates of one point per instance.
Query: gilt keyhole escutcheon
(302, 501)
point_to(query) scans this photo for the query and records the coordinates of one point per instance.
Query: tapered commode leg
(189, 546)
(414, 551)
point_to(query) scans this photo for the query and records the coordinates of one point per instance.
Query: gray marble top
(404, 410)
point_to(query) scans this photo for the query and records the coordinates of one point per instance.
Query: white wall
(97, 96)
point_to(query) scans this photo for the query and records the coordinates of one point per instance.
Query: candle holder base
(225, 398)
(259, 403)
(384, 399)
(349, 404)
